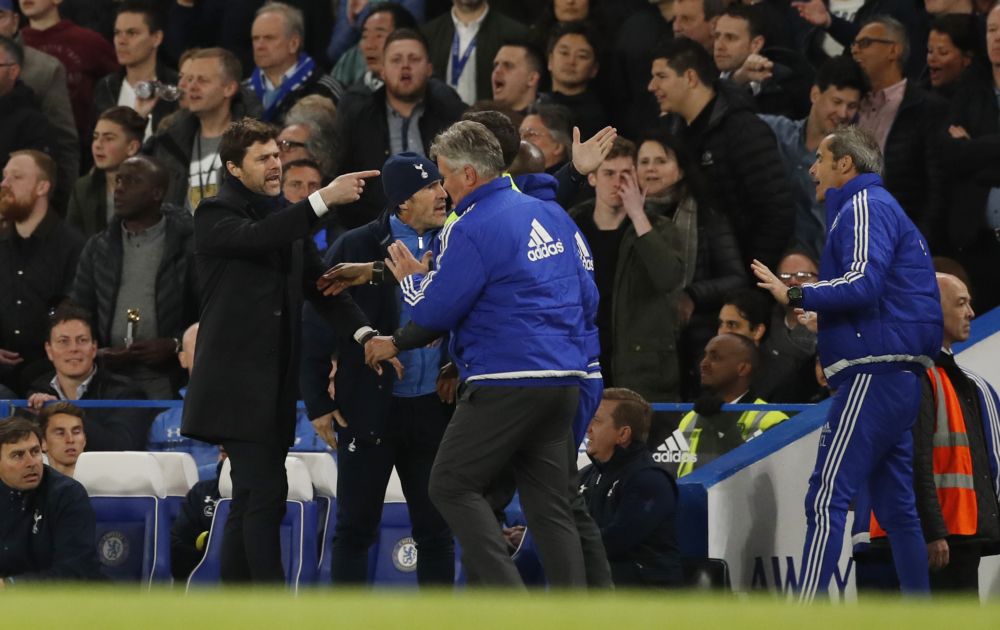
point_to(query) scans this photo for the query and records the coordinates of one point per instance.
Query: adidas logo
(542, 245)
(674, 450)
(584, 252)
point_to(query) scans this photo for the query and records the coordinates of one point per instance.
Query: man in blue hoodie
(511, 287)
(879, 328)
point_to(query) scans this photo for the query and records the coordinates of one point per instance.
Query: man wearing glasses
(903, 119)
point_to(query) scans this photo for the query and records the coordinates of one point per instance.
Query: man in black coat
(737, 151)
(403, 115)
(46, 522)
(255, 262)
(24, 125)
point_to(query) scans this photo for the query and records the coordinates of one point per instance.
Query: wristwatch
(378, 272)
(794, 297)
(367, 336)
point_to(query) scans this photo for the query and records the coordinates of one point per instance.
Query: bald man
(530, 159)
(148, 244)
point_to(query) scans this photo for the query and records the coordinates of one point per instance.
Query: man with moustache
(255, 263)
(38, 258)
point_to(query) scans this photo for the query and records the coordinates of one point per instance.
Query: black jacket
(913, 173)
(111, 428)
(362, 395)
(194, 518)
(495, 30)
(48, 533)
(98, 278)
(107, 89)
(363, 140)
(88, 203)
(739, 156)
(255, 263)
(24, 125)
(972, 166)
(634, 503)
(786, 93)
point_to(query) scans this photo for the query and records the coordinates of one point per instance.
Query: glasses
(287, 145)
(529, 133)
(864, 42)
(798, 275)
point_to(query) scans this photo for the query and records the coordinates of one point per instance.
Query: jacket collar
(500, 183)
(622, 457)
(233, 189)
(837, 197)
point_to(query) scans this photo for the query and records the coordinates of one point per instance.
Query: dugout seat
(180, 473)
(394, 549)
(127, 491)
(706, 574)
(298, 529)
(323, 470)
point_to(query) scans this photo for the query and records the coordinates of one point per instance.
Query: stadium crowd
(678, 135)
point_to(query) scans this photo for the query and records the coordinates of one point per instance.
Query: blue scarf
(271, 99)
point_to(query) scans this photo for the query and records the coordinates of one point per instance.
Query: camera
(149, 89)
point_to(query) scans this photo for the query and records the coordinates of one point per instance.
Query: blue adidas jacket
(877, 298)
(511, 286)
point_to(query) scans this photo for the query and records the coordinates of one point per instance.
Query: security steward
(384, 420)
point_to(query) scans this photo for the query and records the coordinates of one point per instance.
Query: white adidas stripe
(859, 260)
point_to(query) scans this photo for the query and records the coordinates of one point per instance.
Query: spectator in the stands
(738, 152)
(138, 35)
(952, 46)
(463, 43)
(632, 500)
(713, 266)
(351, 16)
(836, 96)
(117, 137)
(745, 312)
(86, 55)
(905, 121)
(695, 20)
(72, 349)
(46, 77)
(362, 64)
(972, 164)
(299, 179)
(24, 127)
(517, 72)
(284, 73)
(777, 79)
(405, 114)
(189, 147)
(573, 62)
(63, 437)
(638, 270)
(38, 258)
(548, 127)
(136, 278)
(310, 129)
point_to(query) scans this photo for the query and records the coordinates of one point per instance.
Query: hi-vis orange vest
(952, 462)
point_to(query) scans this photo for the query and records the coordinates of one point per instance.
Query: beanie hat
(406, 173)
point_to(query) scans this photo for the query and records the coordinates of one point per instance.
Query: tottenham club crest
(404, 555)
(423, 173)
(113, 548)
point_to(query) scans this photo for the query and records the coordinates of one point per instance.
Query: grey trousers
(529, 428)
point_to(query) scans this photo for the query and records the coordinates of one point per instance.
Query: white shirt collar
(81, 389)
(473, 26)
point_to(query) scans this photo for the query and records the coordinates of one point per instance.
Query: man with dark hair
(905, 121)
(548, 127)
(835, 96)
(727, 371)
(403, 115)
(63, 437)
(285, 73)
(778, 79)
(24, 127)
(573, 62)
(71, 348)
(636, 268)
(464, 42)
(117, 137)
(189, 147)
(878, 303)
(745, 312)
(695, 20)
(739, 154)
(86, 55)
(361, 65)
(299, 179)
(517, 72)
(137, 38)
(255, 263)
(38, 258)
(47, 524)
(136, 278)
(632, 500)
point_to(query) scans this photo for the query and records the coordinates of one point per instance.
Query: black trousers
(528, 427)
(961, 574)
(251, 547)
(363, 471)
